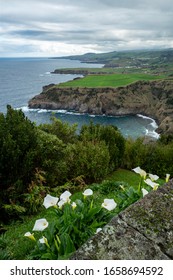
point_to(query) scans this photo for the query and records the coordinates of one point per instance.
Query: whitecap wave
(73, 113)
(26, 109)
(151, 133)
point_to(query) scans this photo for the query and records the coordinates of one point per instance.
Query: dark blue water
(23, 78)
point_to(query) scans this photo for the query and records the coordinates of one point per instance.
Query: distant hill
(135, 57)
(93, 57)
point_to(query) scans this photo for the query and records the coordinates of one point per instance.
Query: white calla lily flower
(73, 205)
(88, 192)
(144, 192)
(151, 184)
(109, 204)
(50, 201)
(43, 240)
(140, 171)
(61, 203)
(40, 225)
(30, 235)
(65, 196)
(153, 177)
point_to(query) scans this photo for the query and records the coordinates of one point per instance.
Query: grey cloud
(91, 22)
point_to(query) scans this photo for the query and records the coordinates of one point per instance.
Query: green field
(110, 80)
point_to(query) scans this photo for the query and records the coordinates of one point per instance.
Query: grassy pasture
(109, 80)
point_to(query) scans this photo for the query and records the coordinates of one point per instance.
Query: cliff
(150, 98)
(143, 231)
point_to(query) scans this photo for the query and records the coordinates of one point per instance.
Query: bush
(62, 130)
(113, 139)
(18, 146)
(88, 159)
(52, 157)
(155, 157)
(18, 156)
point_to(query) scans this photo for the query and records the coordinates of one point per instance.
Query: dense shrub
(87, 158)
(18, 149)
(113, 139)
(156, 157)
(18, 155)
(64, 131)
(52, 156)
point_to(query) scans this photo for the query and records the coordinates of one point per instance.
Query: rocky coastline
(150, 98)
(81, 71)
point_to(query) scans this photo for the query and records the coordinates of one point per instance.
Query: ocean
(23, 78)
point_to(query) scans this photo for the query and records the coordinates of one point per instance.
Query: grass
(127, 176)
(109, 80)
(19, 247)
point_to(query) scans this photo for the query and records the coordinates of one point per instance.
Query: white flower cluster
(51, 201)
(149, 181)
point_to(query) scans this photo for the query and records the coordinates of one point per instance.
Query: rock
(143, 231)
(45, 88)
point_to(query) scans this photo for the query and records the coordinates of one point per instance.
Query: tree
(88, 159)
(113, 139)
(62, 130)
(18, 149)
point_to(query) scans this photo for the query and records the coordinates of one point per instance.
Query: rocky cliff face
(154, 99)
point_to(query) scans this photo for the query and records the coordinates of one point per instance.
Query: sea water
(23, 78)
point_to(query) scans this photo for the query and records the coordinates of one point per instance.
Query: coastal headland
(150, 98)
(129, 83)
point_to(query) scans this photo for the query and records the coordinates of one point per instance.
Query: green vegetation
(52, 158)
(109, 80)
(150, 61)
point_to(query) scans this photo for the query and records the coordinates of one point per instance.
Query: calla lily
(167, 177)
(140, 171)
(144, 192)
(74, 205)
(61, 203)
(151, 184)
(153, 177)
(40, 225)
(65, 196)
(50, 201)
(88, 192)
(109, 204)
(30, 235)
(43, 240)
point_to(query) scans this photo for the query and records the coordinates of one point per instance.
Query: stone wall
(144, 231)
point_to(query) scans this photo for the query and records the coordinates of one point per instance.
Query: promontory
(150, 98)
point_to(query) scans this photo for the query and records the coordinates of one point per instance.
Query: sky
(67, 27)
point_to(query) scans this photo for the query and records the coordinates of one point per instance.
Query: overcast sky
(65, 27)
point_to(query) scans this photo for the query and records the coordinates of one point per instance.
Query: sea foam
(151, 133)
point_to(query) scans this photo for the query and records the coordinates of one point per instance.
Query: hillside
(150, 61)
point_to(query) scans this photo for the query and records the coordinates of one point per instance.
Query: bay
(23, 78)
